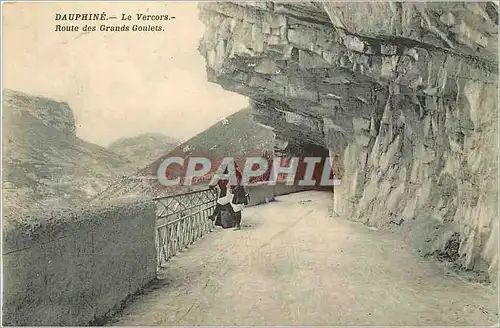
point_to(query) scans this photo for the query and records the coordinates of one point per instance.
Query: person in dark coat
(238, 202)
(239, 199)
(223, 187)
(222, 184)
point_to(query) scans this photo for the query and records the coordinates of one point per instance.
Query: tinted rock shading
(403, 95)
(45, 165)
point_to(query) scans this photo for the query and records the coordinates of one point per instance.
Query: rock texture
(45, 165)
(403, 95)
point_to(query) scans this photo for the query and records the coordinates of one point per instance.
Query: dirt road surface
(293, 264)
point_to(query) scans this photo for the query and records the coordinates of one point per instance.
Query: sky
(118, 84)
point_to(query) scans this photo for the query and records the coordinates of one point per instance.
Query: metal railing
(182, 219)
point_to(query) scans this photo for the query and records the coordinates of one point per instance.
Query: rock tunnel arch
(404, 108)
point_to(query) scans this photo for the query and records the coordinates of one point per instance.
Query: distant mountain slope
(45, 165)
(240, 137)
(143, 149)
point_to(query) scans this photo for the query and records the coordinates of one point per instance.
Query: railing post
(170, 242)
(159, 246)
(168, 236)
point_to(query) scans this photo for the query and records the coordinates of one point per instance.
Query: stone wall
(282, 189)
(261, 193)
(403, 95)
(74, 267)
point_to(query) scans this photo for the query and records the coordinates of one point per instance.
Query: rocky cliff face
(45, 165)
(403, 95)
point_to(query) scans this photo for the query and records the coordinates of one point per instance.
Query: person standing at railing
(235, 197)
(221, 199)
(239, 198)
(238, 202)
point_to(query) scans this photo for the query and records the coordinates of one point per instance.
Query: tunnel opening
(315, 158)
(324, 164)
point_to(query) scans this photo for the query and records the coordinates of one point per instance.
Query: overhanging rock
(403, 95)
